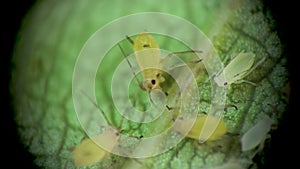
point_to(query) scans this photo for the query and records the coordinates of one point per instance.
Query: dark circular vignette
(281, 143)
(16, 156)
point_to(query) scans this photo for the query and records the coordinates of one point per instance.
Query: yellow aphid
(88, 152)
(148, 56)
(196, 129)
(237, 69)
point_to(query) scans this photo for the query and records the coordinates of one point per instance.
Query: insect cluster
(150, 61)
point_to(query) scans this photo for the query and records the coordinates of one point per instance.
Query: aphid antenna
(138, 81)
(131, 68)
(98, 107)
(212, 76)
(245, 81)
(167, 58)
(184, 64)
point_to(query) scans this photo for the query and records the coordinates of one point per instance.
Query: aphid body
(198, 126)
(150, 61)
(257, 134)
(148, 56)
(237, 69)
(89, 152)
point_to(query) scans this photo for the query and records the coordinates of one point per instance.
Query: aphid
(237, 69)
(148, 56)
(88, 152)
(257, 134)
(197, 128)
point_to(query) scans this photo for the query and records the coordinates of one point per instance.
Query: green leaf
(53, 35)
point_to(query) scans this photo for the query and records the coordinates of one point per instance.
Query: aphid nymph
(257, 134)
(238, 68)
(148, 56)
(89, 152)
(198, 126)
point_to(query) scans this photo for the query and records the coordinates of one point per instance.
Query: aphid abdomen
(198, 126)
(211, 121)
(237, 69)
(87, 152)
(257, 134)
(149, 58)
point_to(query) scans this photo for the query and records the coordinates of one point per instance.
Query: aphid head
(150, 84)
(153, 82)
(221, 81)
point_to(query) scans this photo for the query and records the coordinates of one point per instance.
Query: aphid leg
(151, 100)
(138, 81)
(180, 65)
(166, 93)
(129, 39)
(214, 75)
(229, 106)
(121, 130)
(167, 58)
(169, 108)
(257, 64)
(245, 81)
(225, 107)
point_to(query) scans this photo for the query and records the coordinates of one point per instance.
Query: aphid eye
(117, 133)
(153, 81)
(225, 84)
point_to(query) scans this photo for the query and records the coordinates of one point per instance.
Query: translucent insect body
(148, 56)
(89, 152)
(237, 69)
(198, 126)
(257, 134)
